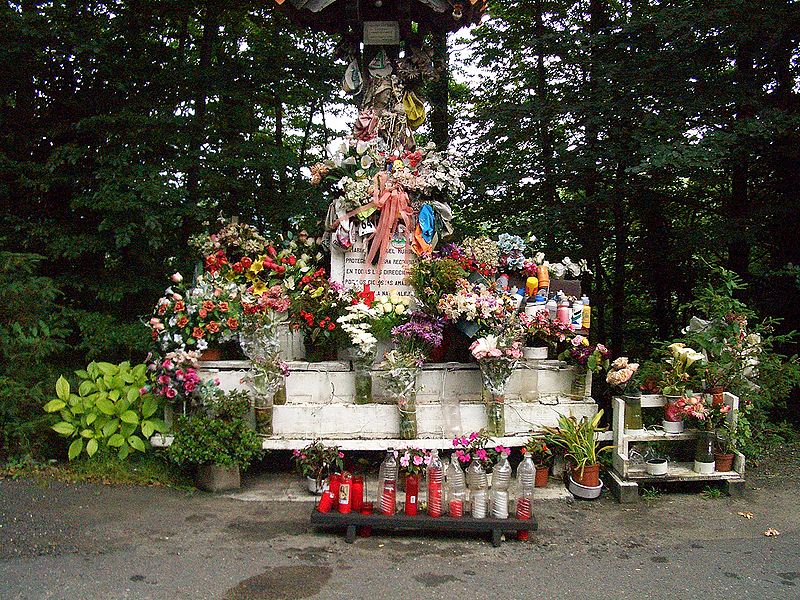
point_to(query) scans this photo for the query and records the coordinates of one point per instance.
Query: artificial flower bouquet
(497, 355)
(315, 307)
(586, 356)
(174, 377)
(431, 278)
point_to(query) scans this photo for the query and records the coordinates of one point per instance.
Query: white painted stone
(350, 269)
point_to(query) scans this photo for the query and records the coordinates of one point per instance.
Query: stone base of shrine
(320, 404)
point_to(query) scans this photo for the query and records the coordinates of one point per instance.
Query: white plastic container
(657, 466)
(584, 491)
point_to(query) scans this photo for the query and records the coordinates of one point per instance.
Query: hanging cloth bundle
(414, 109)
(395, 208)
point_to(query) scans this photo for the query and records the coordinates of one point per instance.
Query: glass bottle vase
(633, 412)
(704, 453)
(362, 373)
(578, 386)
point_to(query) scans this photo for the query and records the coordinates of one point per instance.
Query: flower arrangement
(483, 252)
(357, 324)
(477, 303)
(174, 376)
(315, 308)
(317, 460)
(421, 335)
(497, 356)
(678, 366)
(478, 446)
(539, 451)
(704, 413)
(414, 461)
(620, 374)
(400, 375)
(593, 357)
(390, 311)
(433, 278)
(208, 313)
(512, 252)
(233, 240)
(675, 411)
(539, 328)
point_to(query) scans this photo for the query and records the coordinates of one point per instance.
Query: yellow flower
(585, 341)
(259, 287)
(257, 266)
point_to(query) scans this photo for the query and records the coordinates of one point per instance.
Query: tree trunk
(439, 94)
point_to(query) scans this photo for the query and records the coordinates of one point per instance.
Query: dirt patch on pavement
(285, 583)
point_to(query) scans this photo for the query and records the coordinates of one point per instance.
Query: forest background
(656, 139)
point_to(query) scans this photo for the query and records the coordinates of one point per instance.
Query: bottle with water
(456, 487)
(435, 474)
(387, 483)
(501, 480)
(526, 479)
(478, 485)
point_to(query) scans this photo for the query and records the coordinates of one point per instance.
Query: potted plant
(542, 456)
(316, 305)
(542, 334)
(621, 376)
(317, 462)
(217, 441)
(709, 418)
(678, 368)
(578, 440)
(728, 439)
(413, 463)
(584, 357)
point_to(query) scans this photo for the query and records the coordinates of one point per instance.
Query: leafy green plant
(649, 494)
(578, 439)
(711, 493)
(432, 279)
(203, 440)
(108, 410)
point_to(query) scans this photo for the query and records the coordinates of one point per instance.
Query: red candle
(388, 501)
(333, 485)
(412, 494)
(344, 493)
(365, 530)
(326, 502)
(456, 508)
(357, 494)
(523, 513)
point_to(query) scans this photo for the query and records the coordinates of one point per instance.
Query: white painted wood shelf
(627, 475)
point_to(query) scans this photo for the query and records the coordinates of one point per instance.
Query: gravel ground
(89, 541)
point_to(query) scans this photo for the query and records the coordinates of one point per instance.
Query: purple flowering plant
(594, 357)
(421, 335)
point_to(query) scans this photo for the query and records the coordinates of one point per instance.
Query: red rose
(272, 251)
(211, 260)
(197, 332)
(306, 279)
(331, 326)
(202, 312)
(208, 305)
(223, 307)
(292, 260)
(232, 323)
(182, 322)
(280, 269)
(221, 253)
(238, 268)
(162, 309)
(180, 306)
(213, 327)
(246, 262)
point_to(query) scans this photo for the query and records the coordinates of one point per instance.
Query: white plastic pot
(704, 468)
(584, 491)
(657, 466)
(314, 488)
(535, 352)
(672, 426)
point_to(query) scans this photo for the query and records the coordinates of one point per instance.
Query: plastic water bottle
(478, 485)
(552, 308)
(526, 478)
(501, 480)
(577, 314)
(435, 474)
(456, 487)
(387, 483)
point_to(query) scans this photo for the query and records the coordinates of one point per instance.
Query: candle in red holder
(344, 493)
(388, 500)
(326, 502)
(334, 483)
(435, 480)
(456, 508)
(365, 530)
(357, 494)
(523, 513)
(412, 494)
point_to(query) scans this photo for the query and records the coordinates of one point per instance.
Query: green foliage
(203, 440)
(108, 411)
(32, 338)
(650, 494)
(578, 439)
(432, 279)
(711, 492)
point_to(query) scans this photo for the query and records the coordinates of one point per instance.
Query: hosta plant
(107, 411)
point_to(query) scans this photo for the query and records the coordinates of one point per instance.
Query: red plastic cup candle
(344, 493)
(412, 495)
(523, 513)
(435, 493)
(357, 494)
(456, 508)
(334, 483)
(326, 502)
(388, 501)
(366, 510)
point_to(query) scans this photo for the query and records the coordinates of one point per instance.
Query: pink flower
(480, 454)
(163, 379)
(473, 436)
(176, 277)
(417, 460)
(143, 391)
(427, 459)
(405, 460)
(296, 453)
(341, 454)
(171, 393)
(577, 340)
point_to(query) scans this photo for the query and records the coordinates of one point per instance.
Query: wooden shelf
(661, 436)
(678, 471)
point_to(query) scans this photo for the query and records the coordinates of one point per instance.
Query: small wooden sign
(381, 33)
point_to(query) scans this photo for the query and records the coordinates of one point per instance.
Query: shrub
(108, 411)
(203, 440)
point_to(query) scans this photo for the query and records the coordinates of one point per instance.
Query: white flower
(567, 261)
(538, 258)
(202, 345)
(400, 309)
(176, 277)
(361, 147)
(366, 161)
(575, 270)
(558, 270)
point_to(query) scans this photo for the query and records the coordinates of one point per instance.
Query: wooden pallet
(352, 521)
(626, 477)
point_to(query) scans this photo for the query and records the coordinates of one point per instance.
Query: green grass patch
(151, 469)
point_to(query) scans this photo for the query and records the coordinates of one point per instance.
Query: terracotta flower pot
(718, 395)
(589, 476)
(542, 476)
(723, 462)
(211, 354)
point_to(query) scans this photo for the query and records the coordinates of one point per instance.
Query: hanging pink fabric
(395, 208)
